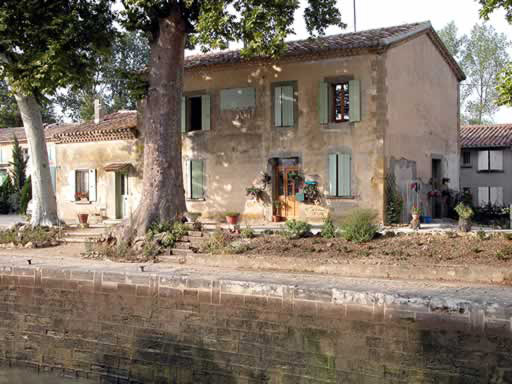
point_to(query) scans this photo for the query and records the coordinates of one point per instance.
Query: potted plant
(81, 196)
(232, 217)
(276, 217)
(82, 219)
(255, 193)
(415, 222)
(465, 213)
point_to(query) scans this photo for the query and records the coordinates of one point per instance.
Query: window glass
(195, 113)
(82, 184)
(341, 103)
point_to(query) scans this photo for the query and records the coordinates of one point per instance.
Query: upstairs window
(489, 161)
(237, 99)
(339, 101)
(195, 113)
(284, 105)
(465, 158)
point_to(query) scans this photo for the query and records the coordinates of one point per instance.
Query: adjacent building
(486, 163)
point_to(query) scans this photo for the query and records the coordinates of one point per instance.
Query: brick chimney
(98, 111)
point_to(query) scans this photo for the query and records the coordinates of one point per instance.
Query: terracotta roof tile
(493, 135)
(345, 43)
(7, 134)
(116, 126)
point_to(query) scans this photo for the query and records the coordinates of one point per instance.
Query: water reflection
(27, 376)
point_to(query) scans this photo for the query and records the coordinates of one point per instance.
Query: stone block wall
(165, 328)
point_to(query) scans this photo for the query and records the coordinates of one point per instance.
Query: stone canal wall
(174, 328)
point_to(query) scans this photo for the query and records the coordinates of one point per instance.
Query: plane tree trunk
(163, 196)
(44, 210)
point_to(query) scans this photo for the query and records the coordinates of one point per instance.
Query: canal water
(27, 376)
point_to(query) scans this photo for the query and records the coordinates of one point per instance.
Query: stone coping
(420, 296)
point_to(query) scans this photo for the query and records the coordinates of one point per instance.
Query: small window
(195, 113)
(466, 158)
(82, 185)
(340, 102)
(237, 99)
(195, 179)
(340, 165)
(284, 105)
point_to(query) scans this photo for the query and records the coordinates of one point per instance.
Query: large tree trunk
(43, 197)
(163, 196)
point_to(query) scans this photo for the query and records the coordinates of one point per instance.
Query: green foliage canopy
(48, 44)
(262, 25)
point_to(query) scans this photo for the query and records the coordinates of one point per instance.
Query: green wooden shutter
(205, 111)
(278, 122)
(344, 165)
(53, 175)
(333, 164)
(323, 102)
(287, 101)
(187, 176)
(183, 114)
(196, 168)
(354, 97)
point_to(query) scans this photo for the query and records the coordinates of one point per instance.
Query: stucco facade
(409, 98)
(97, 156)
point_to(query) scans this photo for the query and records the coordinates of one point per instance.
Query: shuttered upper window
(340, 172)
(339, 101)
(490, 161)
(284, 105)
(195, 113)
(195, 179)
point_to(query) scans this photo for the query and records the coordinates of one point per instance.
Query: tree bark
(43, 197)
(163, 196)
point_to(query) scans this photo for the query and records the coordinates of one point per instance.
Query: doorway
(286, 186)
(437, 178)
(122, 194)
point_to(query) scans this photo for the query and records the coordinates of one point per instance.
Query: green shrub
(166, 234)
(247, 233)
(25, 196)
(505, 253)
(296, 229)
(464, 211)
(217, 242)
(329, 230)
(359, 226)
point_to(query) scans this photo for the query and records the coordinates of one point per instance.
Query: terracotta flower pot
(232, 219)
(82, 218)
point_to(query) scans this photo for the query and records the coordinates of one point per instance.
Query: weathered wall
(472, 179)
(145, 328)
(95, 155)
(239, 144)
(421, 94)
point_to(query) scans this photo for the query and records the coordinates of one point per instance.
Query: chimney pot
(98, 111)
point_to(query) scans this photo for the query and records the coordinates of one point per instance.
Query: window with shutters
(490, 161)
(490, 196)
(340, 174)
(195, 179)
(195, 113)
(284, 105)
(339, 100)
(237, 99)
(82, 185)
(465, 157)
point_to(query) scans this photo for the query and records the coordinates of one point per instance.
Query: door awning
(117, 167)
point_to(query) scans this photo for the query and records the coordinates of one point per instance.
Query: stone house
(486, 163)
(335, 116)
(346, 112)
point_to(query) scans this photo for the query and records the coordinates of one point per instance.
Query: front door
(286, 185)
(122, 208)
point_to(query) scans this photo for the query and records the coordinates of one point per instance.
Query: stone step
(181, 252)
(191, 239)
(83, 234)
(182, 245)
(195, 234)
(77, 239)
